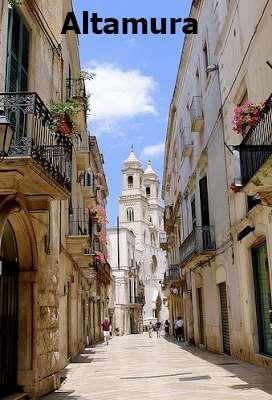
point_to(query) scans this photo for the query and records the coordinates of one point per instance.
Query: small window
(154, 264)
(193, 210)
(206, 57)
(150, 218)
(147, 191)
(130, 182)
(89, 178)
(130, 214)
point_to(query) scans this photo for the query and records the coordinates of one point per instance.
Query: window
(154, 264)
(193, 210)
(17, 64)
(206, 57)
(18, 52)
(130, 182)
(150, 218)
(153, 239)
(204, 201)
(130, 214)
(88, 178)
(147, 191)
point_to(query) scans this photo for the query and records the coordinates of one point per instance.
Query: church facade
(140, 211)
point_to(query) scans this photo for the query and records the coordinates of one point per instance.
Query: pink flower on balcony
(246, 116)
(99, 256)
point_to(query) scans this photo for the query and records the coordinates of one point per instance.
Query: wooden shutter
(204, 200)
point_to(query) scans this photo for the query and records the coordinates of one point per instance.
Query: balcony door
(17, 63)
(205, 215)
(263, 298)
(9, 290)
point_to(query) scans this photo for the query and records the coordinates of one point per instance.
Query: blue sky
(132, 90)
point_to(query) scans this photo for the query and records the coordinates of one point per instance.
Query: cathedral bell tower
(132, 176)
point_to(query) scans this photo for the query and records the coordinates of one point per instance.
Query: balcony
(186, 143)
(75, 88)
(197, 116)
(82, 149)
(37, 164)
(103, 272)
(79, 237)
(139, 300)
(171, 275)
(163, 241)
(168, 218)
(89, 188)
(199, 247)
(256, 157)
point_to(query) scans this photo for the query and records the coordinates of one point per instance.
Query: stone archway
(15, 222)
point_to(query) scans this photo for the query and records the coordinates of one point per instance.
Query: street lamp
(6, 135)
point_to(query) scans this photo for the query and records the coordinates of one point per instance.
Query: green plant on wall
(64, 112)
(86, 76)
(14, 3)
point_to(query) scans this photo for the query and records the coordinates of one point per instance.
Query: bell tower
(132, 175)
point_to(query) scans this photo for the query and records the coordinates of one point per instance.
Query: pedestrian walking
(106, 326)
(158, 328)
(166, 328)
(150, 329)
(179, 329)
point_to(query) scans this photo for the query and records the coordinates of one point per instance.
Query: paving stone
(136, 367)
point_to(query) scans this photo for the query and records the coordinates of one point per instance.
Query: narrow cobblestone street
(136, 367)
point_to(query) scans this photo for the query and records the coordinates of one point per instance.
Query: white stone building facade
(128, 288)
(221, 240)
(140, 211)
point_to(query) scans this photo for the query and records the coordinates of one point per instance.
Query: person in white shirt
(179, 329)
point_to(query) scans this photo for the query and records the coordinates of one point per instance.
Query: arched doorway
(9, 272)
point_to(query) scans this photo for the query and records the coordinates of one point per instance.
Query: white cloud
(154, 150)
(119, 94)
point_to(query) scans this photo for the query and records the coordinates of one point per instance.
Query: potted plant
(246, 116)
(63, 113)
(14, 3)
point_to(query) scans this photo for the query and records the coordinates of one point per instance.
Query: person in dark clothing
(158, 328)
(166, 327)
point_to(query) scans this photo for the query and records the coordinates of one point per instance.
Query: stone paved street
(136, 367)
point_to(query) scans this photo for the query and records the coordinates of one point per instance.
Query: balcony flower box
(64, 113)
(246, 117)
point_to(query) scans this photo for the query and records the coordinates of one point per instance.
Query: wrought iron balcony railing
(201, 240)
(139, 300)
(80, 223)
(33, 137)
(81, 142)
(256, 147)
(197, 116)
(75, 88)
(172, 274)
